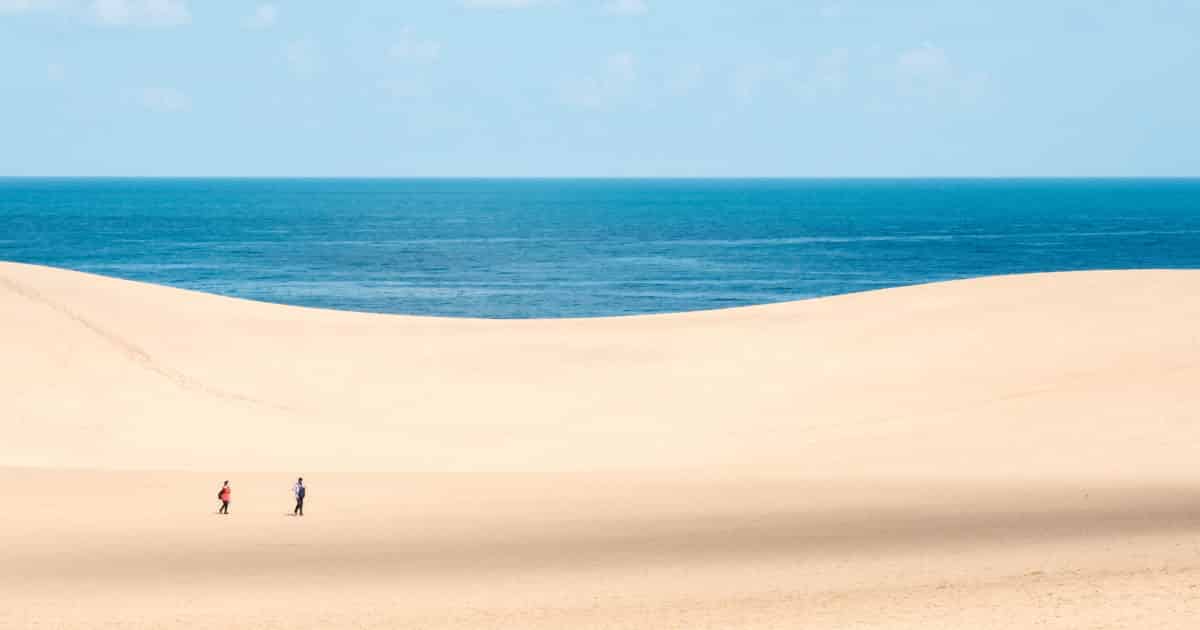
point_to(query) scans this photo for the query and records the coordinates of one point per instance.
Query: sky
(599, 88)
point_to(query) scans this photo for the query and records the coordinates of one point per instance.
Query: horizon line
(620, 177)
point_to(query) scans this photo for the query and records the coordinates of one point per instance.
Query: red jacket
(225, 493)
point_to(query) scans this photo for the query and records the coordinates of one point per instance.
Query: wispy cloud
(155, 13)
(621, 65)
(605, 89)
(626, 7)
(831, 10)
(501, 4)
(56, 71)
(766, 80)
(144, 13)
(263, 17)
(831, 73)
(749, 81)
(686, 79)
(927, 73)
(304, 58)
(410, 47)
(924, 64)
(163, 100)
(22, 6)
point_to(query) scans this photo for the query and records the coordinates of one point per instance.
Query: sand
(1005, 452)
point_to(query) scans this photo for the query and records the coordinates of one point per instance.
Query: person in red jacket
(223, 495)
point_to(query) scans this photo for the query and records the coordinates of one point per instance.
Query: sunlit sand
(1004, 452)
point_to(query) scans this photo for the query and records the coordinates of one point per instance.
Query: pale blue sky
(599, 88)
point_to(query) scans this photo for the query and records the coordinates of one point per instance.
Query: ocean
(589, 247)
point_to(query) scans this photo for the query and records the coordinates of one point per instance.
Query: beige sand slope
(1004, 452)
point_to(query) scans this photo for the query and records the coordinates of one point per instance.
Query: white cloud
(404, 88)
(772, 79)
(303, 57)
(927, 63)
(164, 100)
(152, 13)
(626, 7)
(141, 12)
(606, 89)
(621, 65)
(927, 73)
(409, 47)
(831, 11)
(21, 6)
(500, 4)
(831, 73)
(686, 79)
(263, 17)
(748, 80)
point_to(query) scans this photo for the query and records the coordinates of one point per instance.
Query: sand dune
(1002, 452)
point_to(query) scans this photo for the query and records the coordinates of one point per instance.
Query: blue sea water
(569, 248)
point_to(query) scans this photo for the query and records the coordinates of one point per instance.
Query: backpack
(220, 492)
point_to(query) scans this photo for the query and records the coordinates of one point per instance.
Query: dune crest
(1038, 374)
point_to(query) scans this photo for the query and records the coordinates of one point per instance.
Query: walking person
(299, 491)
(223, 495)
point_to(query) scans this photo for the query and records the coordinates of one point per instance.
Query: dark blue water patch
(570, 248)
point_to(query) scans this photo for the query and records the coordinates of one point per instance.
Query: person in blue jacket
(299, 491)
